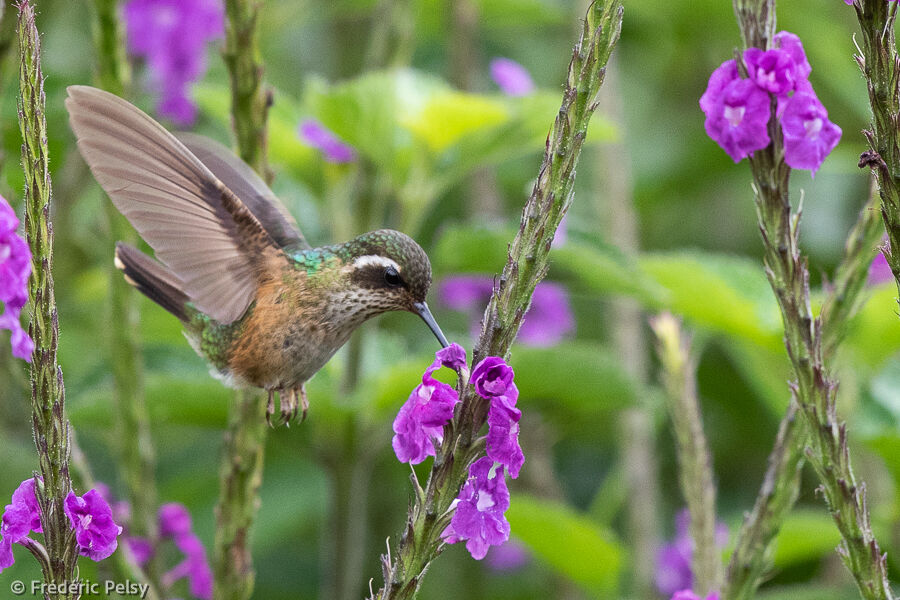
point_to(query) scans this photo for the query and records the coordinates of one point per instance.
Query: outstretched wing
(198, 227)
(241, 179)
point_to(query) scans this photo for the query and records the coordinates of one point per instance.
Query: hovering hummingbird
(256, 301)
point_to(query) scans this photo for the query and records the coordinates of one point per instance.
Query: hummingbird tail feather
(152, 279)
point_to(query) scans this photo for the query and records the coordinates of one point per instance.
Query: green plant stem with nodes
(526, 265)
(249, 98)
(879, 62)
(137, 460)
(813, 388)
(694, 461)
(58, 556)
(240, 474)
(752, 556)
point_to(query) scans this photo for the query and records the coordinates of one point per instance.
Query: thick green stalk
(694, 460)
(752, 556)
(240, 477)
(245, 439)
(880, 65)
(813, 388)
(526, 265)
(51, 428)
(137, 460)
(249, 99)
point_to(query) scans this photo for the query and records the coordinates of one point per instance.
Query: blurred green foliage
(422, 141)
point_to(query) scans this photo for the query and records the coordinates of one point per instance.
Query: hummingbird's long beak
(422, 309)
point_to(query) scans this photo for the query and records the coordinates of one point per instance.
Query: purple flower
(195, 567)
(510, 556)
(20, 517)
(772, 70)
(880, 271)
(174, 520)
(171, 35)
(503, 437)
(737, 116)
(466, 292)
(479, 512)
(419, 426)
(673, 560)
(141, 549)
(332, 148)
(175, 523)
(790, 43)
(493, 378)
(549, 318)
(95, 530)
(511, 77)
(15, 267)
(718, 81)
(452, 357)
(808, 134)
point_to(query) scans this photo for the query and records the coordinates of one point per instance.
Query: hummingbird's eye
(392, 277)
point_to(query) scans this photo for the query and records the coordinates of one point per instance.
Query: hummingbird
(262, 306)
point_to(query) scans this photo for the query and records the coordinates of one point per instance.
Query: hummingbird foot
(270, 407)
(304, 402)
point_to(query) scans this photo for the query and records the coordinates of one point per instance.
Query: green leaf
(598, 267)
(726, 294)
(806, 535)
(568, 542)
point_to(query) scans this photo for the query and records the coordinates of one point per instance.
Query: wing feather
(197, 227)
(249, 187)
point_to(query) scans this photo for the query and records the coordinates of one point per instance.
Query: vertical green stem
(880, 65)
(249, 99)
(241, 478)
(137, 460)
(51, 428)
(694, 461)
(752, 555)
(526, 265)
(813, 389)
(245, 439)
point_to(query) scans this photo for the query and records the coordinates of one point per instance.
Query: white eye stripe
(375, 260)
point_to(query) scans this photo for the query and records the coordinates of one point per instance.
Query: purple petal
(511, 77)
(492, 377)
(319, 137)
(479, 512)
(550, 317)
(880, 271)
(466, 292)
(772, 70)
(809, 137)
(509, 556)
(738, 118)
(453, 356)
(174, 520)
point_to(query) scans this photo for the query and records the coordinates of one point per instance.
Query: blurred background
(662, 219)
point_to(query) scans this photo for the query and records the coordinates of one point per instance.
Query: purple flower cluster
(549, 318)
(419, 426)
(96, 532)
(171, 35)
(673, 560)
(512, 78)
(738, 110)
(317, 136)
(175, 524)
(479, 516)
(15, 267)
